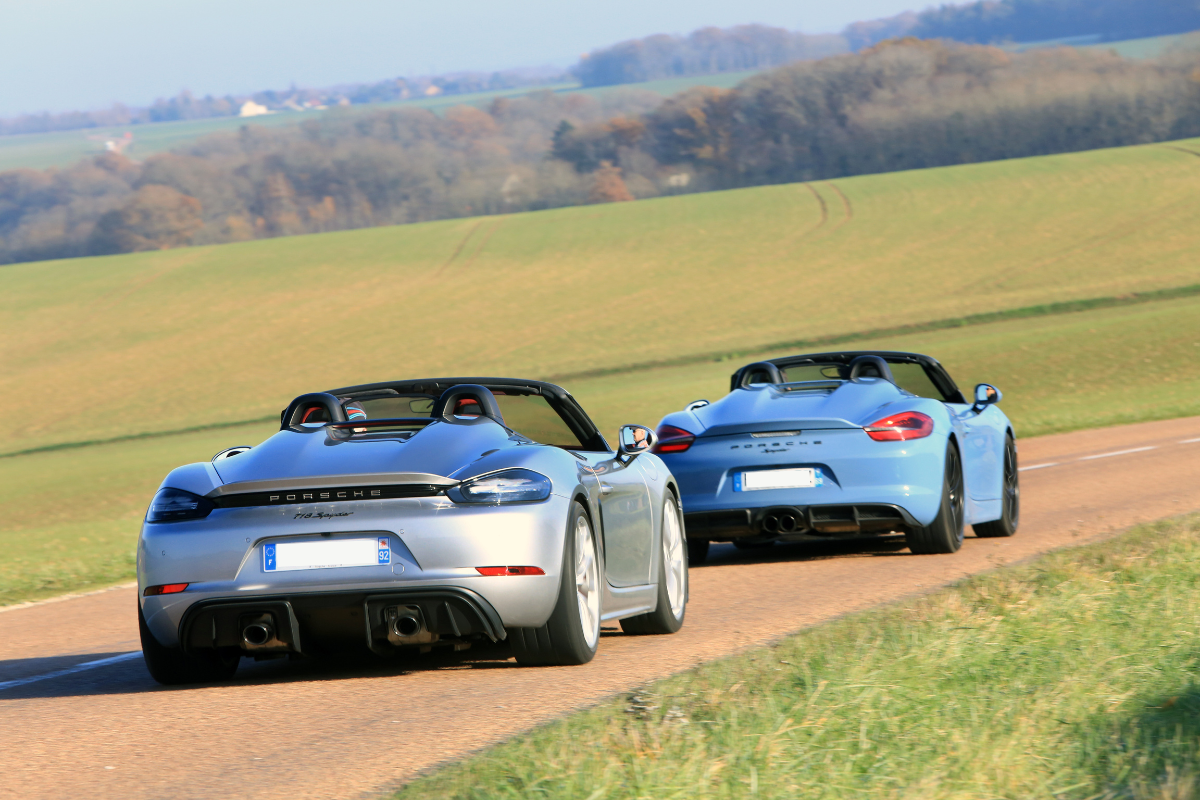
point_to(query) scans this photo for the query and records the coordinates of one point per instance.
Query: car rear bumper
(858, 478)
(794, 522)
(322, 621)
(435, 547)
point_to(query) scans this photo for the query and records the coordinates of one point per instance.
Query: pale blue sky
(80, 54)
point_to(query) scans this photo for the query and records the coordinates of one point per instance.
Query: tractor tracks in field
(462, 245)
(847, 208)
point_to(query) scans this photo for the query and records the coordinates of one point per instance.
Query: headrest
(450, 401)
(299, 410)
(758, 372)
(870, 367)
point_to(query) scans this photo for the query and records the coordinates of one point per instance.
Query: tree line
(905, 104)
(996, 21)
(707, 51)
(187, 106)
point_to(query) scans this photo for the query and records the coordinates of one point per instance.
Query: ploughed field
(635, 307)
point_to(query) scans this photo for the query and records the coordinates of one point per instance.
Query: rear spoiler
(781, 425)
(333, 482)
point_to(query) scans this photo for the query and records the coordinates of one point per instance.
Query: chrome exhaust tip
(406, 625)
(770, 523)
(787, 523)
(257, 634)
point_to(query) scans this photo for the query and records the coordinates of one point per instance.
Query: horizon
(72, 55)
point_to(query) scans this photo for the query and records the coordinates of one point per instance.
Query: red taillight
(673, 440)
(168, 588)
(900, 427)
(510, 570)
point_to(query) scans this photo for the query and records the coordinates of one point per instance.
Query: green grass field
(1058, 372)
(1151, 46)
(102, 347)
(61, 148)
(1072, 677)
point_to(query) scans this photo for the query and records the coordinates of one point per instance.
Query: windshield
(909, 376)
(530, 415)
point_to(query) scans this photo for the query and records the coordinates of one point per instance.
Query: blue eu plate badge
(269, 562)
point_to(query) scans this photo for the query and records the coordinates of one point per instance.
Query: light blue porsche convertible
(839, 445)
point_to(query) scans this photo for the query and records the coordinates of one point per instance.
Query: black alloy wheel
(1010, 498)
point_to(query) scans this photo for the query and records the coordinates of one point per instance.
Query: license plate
(760, 479)
(326, 554)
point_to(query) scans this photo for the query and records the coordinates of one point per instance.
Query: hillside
(105, 347)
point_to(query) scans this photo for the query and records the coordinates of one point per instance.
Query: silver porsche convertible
(409, 515)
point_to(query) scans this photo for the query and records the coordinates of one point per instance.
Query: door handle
(605, 488)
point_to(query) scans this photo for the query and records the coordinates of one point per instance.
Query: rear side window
(914, 379)
(534, 418)
(813, 372)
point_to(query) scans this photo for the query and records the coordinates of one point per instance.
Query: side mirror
(986, 395)
(635, 440)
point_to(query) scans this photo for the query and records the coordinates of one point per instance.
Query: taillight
(169, 588)
(673, 440)
(510, 570)
(900, 427)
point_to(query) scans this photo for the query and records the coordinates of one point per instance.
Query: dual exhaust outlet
(781, 521)
(403, 623)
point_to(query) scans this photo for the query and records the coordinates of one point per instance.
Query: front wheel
(171, 667)
(572, 633)
(1010, 510)
(945, 533)
(667, 617)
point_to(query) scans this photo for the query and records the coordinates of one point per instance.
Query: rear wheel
(1010, 500)
(572, 633)
(172, 667)
(697, 551)
(667, 617)
(945, 533)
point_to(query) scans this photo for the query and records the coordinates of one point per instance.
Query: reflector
(168, 588)
(510, 570)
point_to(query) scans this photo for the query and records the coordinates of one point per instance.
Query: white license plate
(760, 479)
(326, 554)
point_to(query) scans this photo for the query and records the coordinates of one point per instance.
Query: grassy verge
(1072, 677)
(54, 541)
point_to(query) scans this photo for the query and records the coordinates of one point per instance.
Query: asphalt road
(79, 715)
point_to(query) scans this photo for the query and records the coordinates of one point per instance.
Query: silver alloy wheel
(674, 557)
(587, 581)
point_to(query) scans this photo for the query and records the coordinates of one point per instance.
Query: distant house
(253, 109)
(433, 91)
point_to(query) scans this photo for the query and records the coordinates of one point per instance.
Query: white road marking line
(102, 662)
(1037, 466)
(72, 596)
(1120, 453)
(1188, 441)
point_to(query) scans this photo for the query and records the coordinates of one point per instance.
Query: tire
(1010, 513)
(945, 533)
(572, 633)
(172, 667)
(697, 551)
(667, 617)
